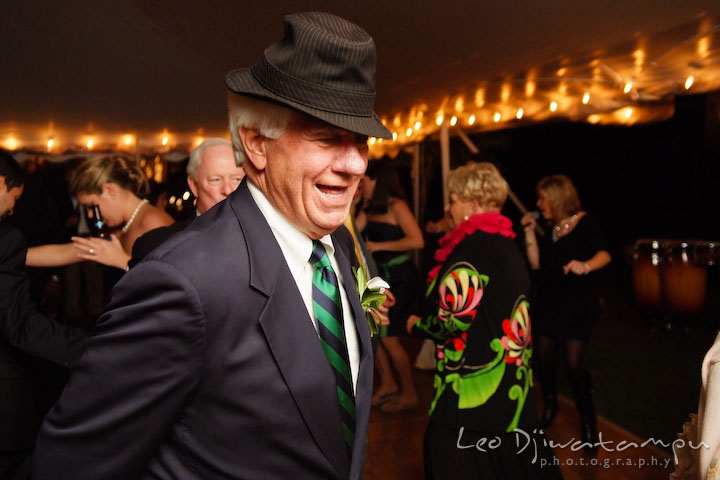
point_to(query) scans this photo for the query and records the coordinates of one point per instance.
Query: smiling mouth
(332, 190)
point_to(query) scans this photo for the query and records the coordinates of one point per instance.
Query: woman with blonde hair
(565, 299)
(116, 186)
(477, 312)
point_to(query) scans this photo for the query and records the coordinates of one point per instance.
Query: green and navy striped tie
(328, 314)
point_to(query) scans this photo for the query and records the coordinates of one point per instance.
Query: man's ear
(193, 185)
(255, 147)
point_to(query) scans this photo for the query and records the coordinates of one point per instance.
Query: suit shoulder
(152, 239)
(217, 230)
(13, 243)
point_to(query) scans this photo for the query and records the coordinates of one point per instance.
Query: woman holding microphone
(565, 306)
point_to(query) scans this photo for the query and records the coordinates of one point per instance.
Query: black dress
(398, 269)
(483, 411)
(566, 304)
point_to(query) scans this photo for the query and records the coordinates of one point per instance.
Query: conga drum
(647, 285)
(684, 277)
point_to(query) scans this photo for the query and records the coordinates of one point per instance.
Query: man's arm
(34, 333)
(20, 322)
(139, 370)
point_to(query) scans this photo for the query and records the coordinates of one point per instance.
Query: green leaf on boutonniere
(372, 296)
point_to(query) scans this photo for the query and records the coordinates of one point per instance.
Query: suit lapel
(364, 384)
(290, 334)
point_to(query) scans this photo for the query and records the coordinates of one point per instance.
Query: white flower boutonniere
(372, 296)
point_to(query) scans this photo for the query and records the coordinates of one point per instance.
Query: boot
(582, 390)
(550, 410)
(546, 375)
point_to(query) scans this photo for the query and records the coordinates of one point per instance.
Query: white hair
(197, 154)
(270, 119)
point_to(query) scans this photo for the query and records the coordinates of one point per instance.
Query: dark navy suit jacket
(23, 331)
(206, 365)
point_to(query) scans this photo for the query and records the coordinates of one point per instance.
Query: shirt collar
(295, 245)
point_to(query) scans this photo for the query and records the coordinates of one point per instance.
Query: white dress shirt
(297, 248)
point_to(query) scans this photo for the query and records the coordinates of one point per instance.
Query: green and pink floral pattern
(460, 292)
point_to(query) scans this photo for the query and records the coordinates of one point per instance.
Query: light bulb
(689, 81)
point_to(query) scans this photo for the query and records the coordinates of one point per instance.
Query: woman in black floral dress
(483, 411)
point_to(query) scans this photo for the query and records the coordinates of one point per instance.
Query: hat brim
(242, 81)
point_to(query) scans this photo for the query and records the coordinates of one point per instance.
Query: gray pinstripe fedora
(324, 67)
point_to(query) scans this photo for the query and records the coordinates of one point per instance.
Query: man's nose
(226, 187)
(353, 159)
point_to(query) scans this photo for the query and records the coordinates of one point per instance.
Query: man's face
(312, 172)
(8, 198)
(217, 177)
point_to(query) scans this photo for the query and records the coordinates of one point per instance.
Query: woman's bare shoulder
(154, 218)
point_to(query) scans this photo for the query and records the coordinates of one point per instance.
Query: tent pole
(416, 180)
(445, 158)
(415, 173)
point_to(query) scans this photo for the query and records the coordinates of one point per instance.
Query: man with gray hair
(212, 176)
(213, 173)
(239, 348)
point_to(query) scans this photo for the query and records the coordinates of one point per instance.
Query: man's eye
(213, 180)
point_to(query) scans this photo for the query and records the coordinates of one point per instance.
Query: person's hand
(528, 222)
(102, 251)
(389, 300)
(411, 321)
(372, 246)
(382, 319)
(431, 227)
(577, 267)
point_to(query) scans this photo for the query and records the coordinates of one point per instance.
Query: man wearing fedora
(239, 348)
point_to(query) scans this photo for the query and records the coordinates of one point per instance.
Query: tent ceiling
(146, 66)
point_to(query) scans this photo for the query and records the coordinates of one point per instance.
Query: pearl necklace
(561, 230)
(134, 214)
